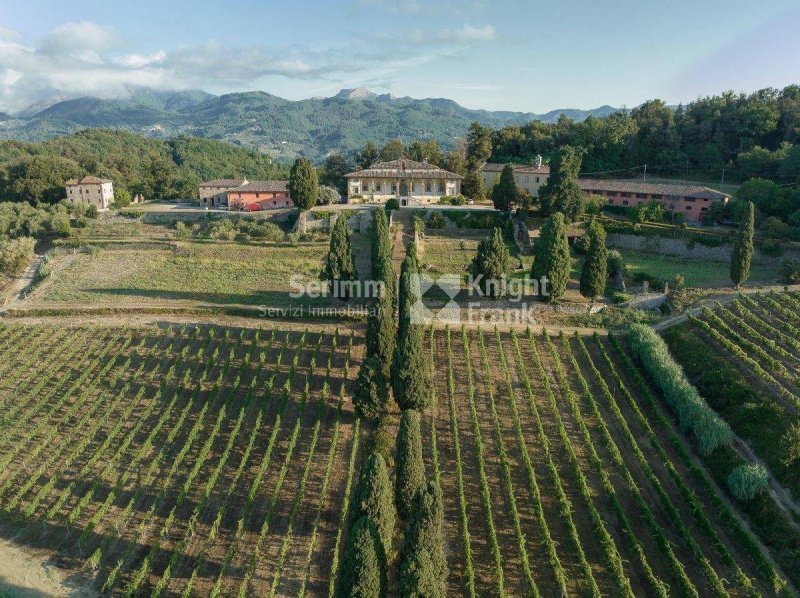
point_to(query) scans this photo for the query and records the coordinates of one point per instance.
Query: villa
(408, 181)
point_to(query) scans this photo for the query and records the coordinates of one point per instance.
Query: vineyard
(208, 460)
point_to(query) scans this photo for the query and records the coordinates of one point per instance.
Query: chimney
(538, 161)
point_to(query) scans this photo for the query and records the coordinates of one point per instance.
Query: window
(656, 196)
(427, 187)
(394, 187)
(704, 209)
(526, 178)
(440, 188)
(355, 189)
(537, 179)
(258, 195)
(625, 202)
(365, 186)
(377, 186)
(688, 207)
(641, 195)
(626, 194)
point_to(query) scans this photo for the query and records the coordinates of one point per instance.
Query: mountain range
(276, 126)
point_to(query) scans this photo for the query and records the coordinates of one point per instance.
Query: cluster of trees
(394, 365)
(36, 172)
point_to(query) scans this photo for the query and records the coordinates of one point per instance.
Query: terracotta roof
(88, 180)
(263, 187)
(665, 189)
(518, 168)
(406, 169)
(224, 183)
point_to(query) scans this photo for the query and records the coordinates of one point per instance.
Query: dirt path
(20, 286)
(28, 573)
(724, 298)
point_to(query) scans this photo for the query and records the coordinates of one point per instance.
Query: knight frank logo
(448, 287)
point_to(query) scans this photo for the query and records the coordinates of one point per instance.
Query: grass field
(187, 459)
(206, 272)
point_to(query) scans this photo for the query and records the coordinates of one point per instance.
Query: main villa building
(408, 181)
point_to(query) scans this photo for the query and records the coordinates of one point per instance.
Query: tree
(15, 255)
(303, 184)
(552, 262)
(562, 193)
(479, 145)
(490, 265)
(369, 396)
(409, 466)
(380, 338)
(410, 375)
(394, 149)
(595, 269)
(339, 264)
(424, 534)
(380, 242)
(336, 166)
(767, 197)
(505, 194)
(426, 151)
(367, 156)
(327, 195)
(417, 576)
(372, 498)
(39, 179)
(363, 570)
(742, 253)
(472, 185)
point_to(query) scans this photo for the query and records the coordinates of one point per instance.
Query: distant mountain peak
(356, 93)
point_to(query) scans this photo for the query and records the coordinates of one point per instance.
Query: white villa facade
(408, 181)
(91, 191)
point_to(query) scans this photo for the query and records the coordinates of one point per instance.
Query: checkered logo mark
(450, 285)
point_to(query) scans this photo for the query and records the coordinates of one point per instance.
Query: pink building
(693, 201)
(260, 195)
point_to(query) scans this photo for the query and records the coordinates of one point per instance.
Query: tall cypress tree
(417, 578)
(381, 241)
(552, 260)
(372, 498)
(370, 397)
(491, 264)
(562, 193)
(380, 337)
(409, 466)
(505, 193)
(363, 570)
(742, 254)
(339, 263)
(303, 184)
(595, 269)
(410, 375)
(425, 533)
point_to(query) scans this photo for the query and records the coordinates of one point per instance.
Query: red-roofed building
(260, 195)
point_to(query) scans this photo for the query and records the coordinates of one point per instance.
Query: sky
(520, 55)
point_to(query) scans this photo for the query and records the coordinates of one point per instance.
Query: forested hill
(273, 125)
(156, 168)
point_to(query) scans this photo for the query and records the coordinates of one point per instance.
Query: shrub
(392, 204)
(790, 271)
(582, 245)
(693, 412)
(771, 248)
(436, 220)
(15, 254)
(791, 444)
(748, 480)
(774, 228)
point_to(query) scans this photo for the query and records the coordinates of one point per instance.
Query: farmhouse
(410, 182)
(526, 176)
(215, 193)
(260, 195)
(91, 191)
(691, 200)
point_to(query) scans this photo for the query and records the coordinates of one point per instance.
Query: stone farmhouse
(408, 181)
(91, 191)
(526, 176)
(260, 195)
(691, 200)
(215, 193)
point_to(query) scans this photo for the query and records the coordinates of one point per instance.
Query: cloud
(466, 34)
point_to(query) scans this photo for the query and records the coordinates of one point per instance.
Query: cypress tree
(424, 534)
(417, 578)
(595, 269)
(505, 193)
(491, 265)
(409, 466)
(370, 396)
(742, 253)
(303, 184)
(372, 498)
(562, 193)
(363, 570)
(381, 242)
(472, 185)
(552, 260)
(410, 376)
(380, 336)
(339, 263)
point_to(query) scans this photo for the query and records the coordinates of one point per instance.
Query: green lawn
(697, 273)
(222, 273)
